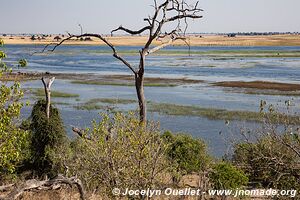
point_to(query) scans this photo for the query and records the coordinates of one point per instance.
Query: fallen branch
(4, 188)
(44, 185)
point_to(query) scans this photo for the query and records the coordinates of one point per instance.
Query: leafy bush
(13, 140)
(226, 176)
(118, 152)
(189, 153)
(48, 138)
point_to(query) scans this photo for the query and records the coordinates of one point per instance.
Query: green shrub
(226, 176)
(13, 140)
(189, 153)
(48, 138)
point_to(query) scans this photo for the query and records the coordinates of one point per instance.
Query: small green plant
(189, 153)
(22, 63)
(226, 176)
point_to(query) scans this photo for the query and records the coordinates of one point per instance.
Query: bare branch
(115, 53)
(184, 10)
(155, 4)
(160, 47)
(147, 20)
(170, 41)
(183, 16)
(132, 32)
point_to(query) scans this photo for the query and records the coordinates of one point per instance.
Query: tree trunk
(139, 85)
(47, 87)
(48, 101)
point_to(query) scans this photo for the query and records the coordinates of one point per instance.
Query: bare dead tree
(167, 13)
(47, 86)
(81, 29)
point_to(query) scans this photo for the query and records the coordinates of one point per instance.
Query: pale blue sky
(58, 16)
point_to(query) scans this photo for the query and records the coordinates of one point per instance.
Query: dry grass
(206, 40)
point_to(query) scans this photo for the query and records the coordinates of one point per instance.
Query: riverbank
(195, 40)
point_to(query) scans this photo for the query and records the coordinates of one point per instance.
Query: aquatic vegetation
(263, 85)
(125, 80)
(60, 103)
(97, 103)
(210, 113)
(272, 92)
(111, 101)
(220, 114)
(252, 91)
(85, 106)
(92, 82)
(58, 94)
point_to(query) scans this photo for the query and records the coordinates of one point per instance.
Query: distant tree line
(259, 33)
(228, 34)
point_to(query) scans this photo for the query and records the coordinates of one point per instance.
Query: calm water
(97, 60)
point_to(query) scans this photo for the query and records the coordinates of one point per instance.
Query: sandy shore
(205, 40)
